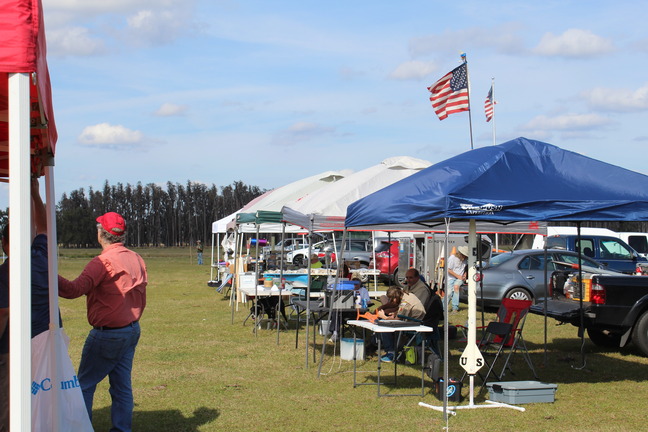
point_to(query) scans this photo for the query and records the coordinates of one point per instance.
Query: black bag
(433, 366)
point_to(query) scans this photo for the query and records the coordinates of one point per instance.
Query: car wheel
(604, 338)
(298, 260)
(399, 280)
(640, 334)
(519, 294)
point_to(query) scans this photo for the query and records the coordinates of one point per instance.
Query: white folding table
(376, 328)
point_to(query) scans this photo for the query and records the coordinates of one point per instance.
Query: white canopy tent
(272, 201)
(325, 209)
(292, 192)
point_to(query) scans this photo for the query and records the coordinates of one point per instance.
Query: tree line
(177, 215)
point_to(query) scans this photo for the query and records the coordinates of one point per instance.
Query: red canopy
(23, 50)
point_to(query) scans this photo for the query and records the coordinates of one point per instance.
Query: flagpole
(463, 57)
(493, 103)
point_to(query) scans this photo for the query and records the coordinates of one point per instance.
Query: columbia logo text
(46, 385)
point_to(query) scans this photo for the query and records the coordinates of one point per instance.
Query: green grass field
(195, 371)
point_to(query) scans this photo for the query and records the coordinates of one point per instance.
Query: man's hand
(40, 215)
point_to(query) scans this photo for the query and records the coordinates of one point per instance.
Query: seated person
(409, 305)
(391, 301)
(315, 263)
(344, 272)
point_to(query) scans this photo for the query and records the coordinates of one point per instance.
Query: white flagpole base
(489, 404)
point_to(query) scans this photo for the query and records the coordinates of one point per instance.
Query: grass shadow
(160, 421)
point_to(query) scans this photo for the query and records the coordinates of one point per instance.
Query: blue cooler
(344, 295)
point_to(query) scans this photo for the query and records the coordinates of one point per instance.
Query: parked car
(355, 250)
(610, 251)
(287, 245)
(386, 253)
(521, 274)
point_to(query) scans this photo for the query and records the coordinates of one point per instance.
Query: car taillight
(598, 294)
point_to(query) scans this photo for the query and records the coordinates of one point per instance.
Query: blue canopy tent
(520, 180)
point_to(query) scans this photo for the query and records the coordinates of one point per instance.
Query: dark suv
(612, 252)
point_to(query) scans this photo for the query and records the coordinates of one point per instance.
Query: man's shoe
(387, 358)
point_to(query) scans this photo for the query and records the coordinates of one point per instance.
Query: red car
(386, 258)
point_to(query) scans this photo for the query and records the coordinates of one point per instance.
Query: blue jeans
(453, 291)
(387, 342)
(110, 353)
(200, 260)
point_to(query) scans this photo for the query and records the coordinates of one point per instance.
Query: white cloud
(85, 8)
(621, 100)
(566, 122)
(75, 41)
(503, 39)
(168, 110)
(105, 134)
(300, 132)
(138, 22)
(157, 27)
(573, 43)
(413, 70)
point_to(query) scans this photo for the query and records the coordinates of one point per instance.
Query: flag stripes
(450, 93)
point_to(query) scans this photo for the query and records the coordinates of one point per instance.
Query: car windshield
(501, 258)
(573, 259)
(382, 247)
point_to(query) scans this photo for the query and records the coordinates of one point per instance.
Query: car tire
(604, 338)
(399, 281)
(298, 260)
(640, 334)
(519, 294)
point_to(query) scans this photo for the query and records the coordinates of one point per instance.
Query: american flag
(488, 105)
(450, 93)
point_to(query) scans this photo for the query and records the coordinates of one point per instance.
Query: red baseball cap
(113, 223)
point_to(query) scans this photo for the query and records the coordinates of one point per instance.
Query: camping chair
(266, 311)
(317, 285)
(503, 337)
(257, 312)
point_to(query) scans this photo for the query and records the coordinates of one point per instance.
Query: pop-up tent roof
(520, 180)
(325, 209)
(23, 50)
(266, 211)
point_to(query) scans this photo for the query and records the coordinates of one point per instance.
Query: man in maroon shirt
(114, 284)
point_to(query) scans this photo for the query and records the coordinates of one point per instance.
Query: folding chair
(317, 285)
(503, 337)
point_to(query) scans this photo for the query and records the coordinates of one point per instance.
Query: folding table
(376, 328)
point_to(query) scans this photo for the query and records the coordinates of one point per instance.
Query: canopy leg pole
(330, 313)
(52, 275)
(308, 287)
(281, 287)
(20, 251)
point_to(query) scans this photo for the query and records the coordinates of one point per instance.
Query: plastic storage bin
(521, 392)
(346, 349)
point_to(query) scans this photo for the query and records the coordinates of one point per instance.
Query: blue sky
(269, 92)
